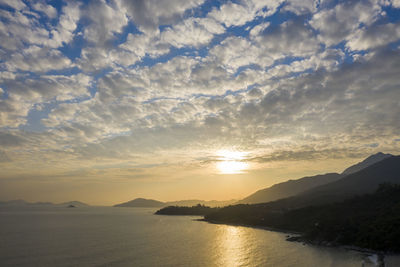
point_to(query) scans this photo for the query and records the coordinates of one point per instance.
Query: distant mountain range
(294, 187)
(20, 202)
(278, 191)
(357, 179)
(151, 203)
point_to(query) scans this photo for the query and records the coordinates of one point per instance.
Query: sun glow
(231, 162)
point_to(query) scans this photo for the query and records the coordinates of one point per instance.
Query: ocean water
(106, 236)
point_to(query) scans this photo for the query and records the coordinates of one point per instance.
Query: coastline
(294, 236)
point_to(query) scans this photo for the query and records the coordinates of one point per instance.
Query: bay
(107, 236)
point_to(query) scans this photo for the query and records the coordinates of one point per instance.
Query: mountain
(366, 162)
(150, 203)
(142, 203)
(369, 221)
(361, 209)
(294, 187)
(362, 182)
(289, 188)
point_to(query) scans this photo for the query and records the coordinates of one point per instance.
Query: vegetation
(199, 209)
(370, 221)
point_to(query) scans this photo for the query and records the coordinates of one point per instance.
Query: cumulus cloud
(237, 14)
(105, 21)
(300, 7)
(17, 4)
(38, 59)
(49, 10)
(336, 24)
(149, 14)
(63, 33)
(17, 29)
(192, 32)
(375, 36)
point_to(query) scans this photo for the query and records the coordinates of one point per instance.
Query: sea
(108, 236)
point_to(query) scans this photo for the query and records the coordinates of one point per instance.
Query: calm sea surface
(106, 236)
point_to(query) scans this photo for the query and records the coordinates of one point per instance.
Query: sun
(231, 162)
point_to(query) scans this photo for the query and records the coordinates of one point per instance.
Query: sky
(106, 101)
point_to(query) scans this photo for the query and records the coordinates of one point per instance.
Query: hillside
(295, 187)
(362, 182)
(368, 221)
(197, 210)
(289, 188)
(366, 162)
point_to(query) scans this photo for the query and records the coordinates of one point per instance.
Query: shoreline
(297, 237)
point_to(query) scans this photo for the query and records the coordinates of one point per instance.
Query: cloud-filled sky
(105, 101)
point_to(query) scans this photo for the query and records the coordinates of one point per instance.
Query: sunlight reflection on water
(136, 237)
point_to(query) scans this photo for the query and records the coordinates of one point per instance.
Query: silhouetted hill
(368, 221)
(298, 186)
(150, 203)
(289, 188)
(366, 162)
(199, 210)
(142, 203)
(363, 182)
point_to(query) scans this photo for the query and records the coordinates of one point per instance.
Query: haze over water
(105, 236)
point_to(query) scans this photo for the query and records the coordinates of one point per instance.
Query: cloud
(105, 21)
(291, 38)
(235, 52)
(149, 14)
(10, 140)
(4, 157)
(374, 36)
(337, 24)
(38, 59)
(300, 7)
(192, 32)
(49, 10)
(47, 87)
(13, 111)
(63, 33)
(237, 14)
(17, 29)
(16, 4)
